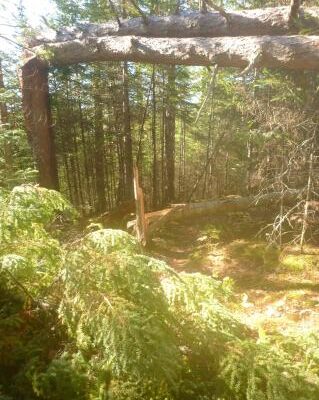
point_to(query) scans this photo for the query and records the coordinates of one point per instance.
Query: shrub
(128, 326)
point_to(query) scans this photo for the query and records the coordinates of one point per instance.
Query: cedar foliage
(102, 320)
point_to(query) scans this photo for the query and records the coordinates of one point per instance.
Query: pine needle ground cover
(98, 319)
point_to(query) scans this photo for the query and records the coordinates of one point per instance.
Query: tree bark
(36, 108)
(291, 52)
(266, 21)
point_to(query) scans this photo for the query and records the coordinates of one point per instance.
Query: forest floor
(278, 291)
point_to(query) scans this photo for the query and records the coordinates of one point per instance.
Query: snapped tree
(246, 40)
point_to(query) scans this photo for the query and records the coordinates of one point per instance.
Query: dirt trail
(277, 291)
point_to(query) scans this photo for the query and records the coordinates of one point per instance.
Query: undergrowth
(98, 319)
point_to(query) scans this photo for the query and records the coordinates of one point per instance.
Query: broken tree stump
(141, 226)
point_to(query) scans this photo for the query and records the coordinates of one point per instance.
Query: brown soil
(278, 291)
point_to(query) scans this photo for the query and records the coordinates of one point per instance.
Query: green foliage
(128, 326)
(16, 163)
(299, 262)
(30, 259)
(65, 378)
(29, 254)
(115, 309)
(134, 318)
(257, 254)
(29, 337)
(264, 371)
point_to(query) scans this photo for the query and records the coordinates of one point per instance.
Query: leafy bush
(134, 317)
(97, 319)
(30, 260)
(29, 255)
(116, 311)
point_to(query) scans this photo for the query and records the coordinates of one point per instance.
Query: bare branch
(17, 44)
(210, 90)
(252, 64)
(142, 14)
(219, 9)
(114, 11)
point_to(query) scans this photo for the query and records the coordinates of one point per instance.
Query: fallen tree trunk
(267, 21)
(156, 220)
(186, 39)
(291, 52)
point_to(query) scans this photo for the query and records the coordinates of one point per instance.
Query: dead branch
(116, 14)
(294, 12)
(219, 9)
(139, 10)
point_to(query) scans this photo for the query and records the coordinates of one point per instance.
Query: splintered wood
(140, 212)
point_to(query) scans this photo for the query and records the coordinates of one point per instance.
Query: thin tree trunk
(98, 150)
(77, 165)
(163, 164)
(64, 155)
(308, 194)
(127, 135)
(154, 145)
(85, 149)
(4, 121)
(170, 115)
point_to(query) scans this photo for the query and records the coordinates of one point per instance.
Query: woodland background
(194, 133)
(85, 312)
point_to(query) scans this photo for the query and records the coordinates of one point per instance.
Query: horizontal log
(156, 220)
(291, 52)
(267, 21)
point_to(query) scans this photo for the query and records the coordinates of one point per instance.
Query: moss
(255, 253)
(213, 233)
(45, 53)
(299, 262)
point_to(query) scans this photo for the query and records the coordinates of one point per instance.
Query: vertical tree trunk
(209, 144)
(181, 168)
(36, 107)
(4, 120)
(163, 164)
(85, 155)
(99, 152)
(77, 171)
(170, 114)
(127, 136)
(64, 151)
(308, 194)
(154, 145)
(73, 174)
(249, 164)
